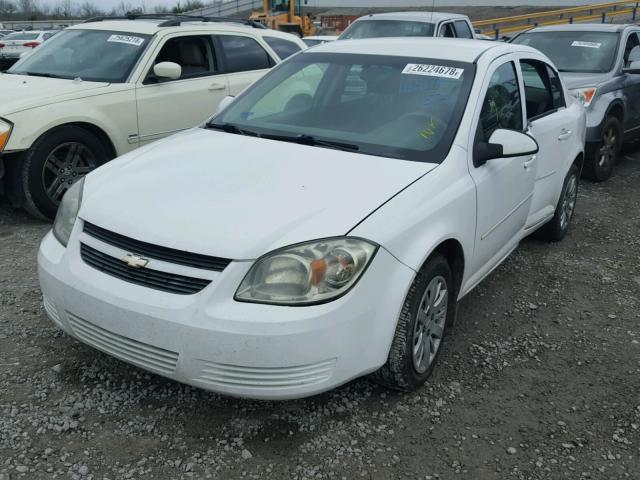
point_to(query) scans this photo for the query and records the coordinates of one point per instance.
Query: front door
(504, 186)
(169, 106)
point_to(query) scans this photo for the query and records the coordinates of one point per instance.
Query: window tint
(446, 30)
(538, 90)
(462, 29)
(502, 107)
(193, 54)
(243, 54)
(556, 88)
(284, 48)
(631, 50)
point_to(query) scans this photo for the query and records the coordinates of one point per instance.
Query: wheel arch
(453, 252)
(616, 109)
(95, 130)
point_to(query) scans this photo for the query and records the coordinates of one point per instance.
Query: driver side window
(194, 54)
(502, 107)
(632, 50)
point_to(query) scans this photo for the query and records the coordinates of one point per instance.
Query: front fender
(114, 113)
(440, 206)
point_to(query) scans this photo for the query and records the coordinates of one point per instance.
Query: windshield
(22, 36)
(73, 53)
(399, 107)
(571, 51)
(387, 28)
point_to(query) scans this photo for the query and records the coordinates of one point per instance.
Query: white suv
(102, 88)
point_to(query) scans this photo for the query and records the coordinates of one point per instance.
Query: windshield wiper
(313, 141)
(231, 128)
(37, 74)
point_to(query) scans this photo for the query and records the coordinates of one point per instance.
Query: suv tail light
(31, 44)
(1, 45)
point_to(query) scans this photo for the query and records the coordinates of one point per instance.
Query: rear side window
(462, 29)
(244, 54)
(284, 48)
(502, 107)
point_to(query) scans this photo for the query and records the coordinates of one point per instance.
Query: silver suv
(600, 64)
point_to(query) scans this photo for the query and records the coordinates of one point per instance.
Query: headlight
(5, 133)
(585, 95)
(307, 273)
(68, 212)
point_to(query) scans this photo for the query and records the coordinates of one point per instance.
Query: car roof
(427, 17)
(455, 49)
(582, 27)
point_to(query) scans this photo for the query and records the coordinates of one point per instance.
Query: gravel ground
(540, 380)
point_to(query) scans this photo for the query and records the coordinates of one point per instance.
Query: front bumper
(211, 341)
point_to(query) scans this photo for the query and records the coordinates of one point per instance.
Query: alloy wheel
(429, 324)
(609, 148)
(568, 204)
(64, 166)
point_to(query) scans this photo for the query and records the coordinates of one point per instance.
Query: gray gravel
(540, 380)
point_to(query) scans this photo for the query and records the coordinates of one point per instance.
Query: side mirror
(169, 70)
(504, 144)
(633, 68)
(225, 102)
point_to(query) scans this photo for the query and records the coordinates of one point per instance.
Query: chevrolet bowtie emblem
(135, 261)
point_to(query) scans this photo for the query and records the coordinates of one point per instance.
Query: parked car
(16, 43)
(600, 63)
(285, 248)
(318, 39)
(100, 89)
(410, 24)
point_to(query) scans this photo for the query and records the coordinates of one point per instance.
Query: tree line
(72, 9)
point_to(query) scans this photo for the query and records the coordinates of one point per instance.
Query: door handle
(217, 86)
(531, 161)
(564, 134)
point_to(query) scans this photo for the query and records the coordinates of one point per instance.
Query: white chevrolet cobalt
(325, 223)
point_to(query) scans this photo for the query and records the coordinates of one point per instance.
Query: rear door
(168, 106)
(551, 123)
(244, 60)
(504, 186)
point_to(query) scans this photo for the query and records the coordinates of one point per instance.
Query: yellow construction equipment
(286, 16)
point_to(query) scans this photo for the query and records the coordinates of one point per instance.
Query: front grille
(222, 375)
(141, 354)
(149, 250)
(167, 282)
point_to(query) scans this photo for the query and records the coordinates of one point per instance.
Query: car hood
(21, 92)
(239, 197)
(580, 80)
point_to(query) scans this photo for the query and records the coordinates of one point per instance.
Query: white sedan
(288, 247)
(15, 44)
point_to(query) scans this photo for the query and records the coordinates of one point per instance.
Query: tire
(403, 371)
(56, 161)
(601, 161)
(557, 228)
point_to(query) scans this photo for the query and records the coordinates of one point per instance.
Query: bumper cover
(210, 341)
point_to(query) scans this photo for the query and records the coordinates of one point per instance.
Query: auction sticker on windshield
(433, 70)
(129, 40)
(586, 44)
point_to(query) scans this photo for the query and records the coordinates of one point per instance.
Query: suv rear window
(284, 48)
(244, 54)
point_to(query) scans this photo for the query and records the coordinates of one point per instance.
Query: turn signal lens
(5, 133)
(308, 273)
(585, 95)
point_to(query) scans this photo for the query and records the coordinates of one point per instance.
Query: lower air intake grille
(167, 282)
(127, 349)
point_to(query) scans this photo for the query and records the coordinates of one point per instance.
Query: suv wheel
(601, 162)
(54, 163)
(428, 311)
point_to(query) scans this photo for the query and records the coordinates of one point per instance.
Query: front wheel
(601, 161)
(428, 310)
(556, 229)
(54, 163)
